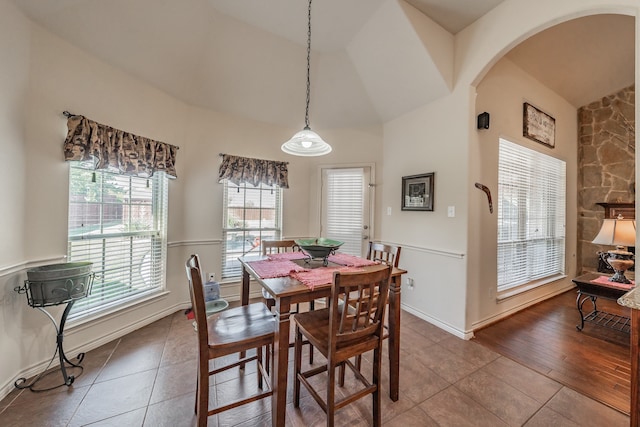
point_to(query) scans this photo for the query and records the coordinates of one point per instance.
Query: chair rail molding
(202, 242)
(457, 255)
(16, 268)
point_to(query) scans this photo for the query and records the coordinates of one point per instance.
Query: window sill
(510, 293)
(98, 316)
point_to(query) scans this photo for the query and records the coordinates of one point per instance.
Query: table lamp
(618, 232)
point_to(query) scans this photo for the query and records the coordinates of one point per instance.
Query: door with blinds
(345, 207)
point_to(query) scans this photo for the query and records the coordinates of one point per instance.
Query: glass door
(346, 211)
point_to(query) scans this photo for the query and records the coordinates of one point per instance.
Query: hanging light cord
(306, 114)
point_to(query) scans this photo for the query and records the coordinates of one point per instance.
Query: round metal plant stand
(58, 289)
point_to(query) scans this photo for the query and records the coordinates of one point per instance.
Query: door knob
(365, 237)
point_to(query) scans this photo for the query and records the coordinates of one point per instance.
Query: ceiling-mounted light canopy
(307, 142)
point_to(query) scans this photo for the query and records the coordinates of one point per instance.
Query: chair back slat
(197, 297)
(364, 297)
(386, 254)
(278, 246)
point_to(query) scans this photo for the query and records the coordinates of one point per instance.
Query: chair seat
(230, 330)
(315, 326)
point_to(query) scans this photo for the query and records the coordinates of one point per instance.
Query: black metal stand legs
(579, 303)
(599, 317)
(21, 383)
(68, 380)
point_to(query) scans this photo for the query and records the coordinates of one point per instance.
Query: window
(119, 223)
(531, 216)
(251, 214)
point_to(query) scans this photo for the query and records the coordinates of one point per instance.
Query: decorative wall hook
(488, 193)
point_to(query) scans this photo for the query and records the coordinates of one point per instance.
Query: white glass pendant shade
(306, 143)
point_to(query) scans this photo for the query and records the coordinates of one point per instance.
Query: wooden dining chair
(386, 254)
(341, 334)
(389, 255)
(277, 247)
(231, 331)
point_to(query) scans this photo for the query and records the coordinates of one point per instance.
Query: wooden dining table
(287, 292)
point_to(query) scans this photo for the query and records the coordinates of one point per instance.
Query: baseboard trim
(465, 335)
(497, 317)
(91, 345)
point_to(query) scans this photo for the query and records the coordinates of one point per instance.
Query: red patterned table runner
(604, 280)
(286, 256)
(350, 260)
(320, 276)
(268, 269)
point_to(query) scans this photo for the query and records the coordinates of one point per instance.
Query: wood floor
(594, 361)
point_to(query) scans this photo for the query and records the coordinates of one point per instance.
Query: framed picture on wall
(538, 125)
(417, 192)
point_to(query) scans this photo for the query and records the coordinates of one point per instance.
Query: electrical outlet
(410, 283)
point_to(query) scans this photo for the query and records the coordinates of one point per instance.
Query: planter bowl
(318, 247)
(58, 283)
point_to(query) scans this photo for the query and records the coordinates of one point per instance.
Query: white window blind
(344, 207)
(118, 223)
(251, 214)
(531, 216)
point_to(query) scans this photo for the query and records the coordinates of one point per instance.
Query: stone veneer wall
(606, 166)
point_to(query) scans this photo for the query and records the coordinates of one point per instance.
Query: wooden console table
(590, 290)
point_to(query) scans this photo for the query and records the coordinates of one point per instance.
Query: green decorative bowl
(318, 247)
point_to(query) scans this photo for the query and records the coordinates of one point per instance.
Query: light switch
(388, 210)
(451, 211)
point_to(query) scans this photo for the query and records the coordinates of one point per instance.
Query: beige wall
(14, 48)
(502, 93)
(430, 139)
(14, 69)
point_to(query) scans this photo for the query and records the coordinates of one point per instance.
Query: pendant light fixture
(307, 142)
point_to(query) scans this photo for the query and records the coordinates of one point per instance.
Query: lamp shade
(617, 232)
(306, 143)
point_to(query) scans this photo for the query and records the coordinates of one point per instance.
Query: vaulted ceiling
(372, 60)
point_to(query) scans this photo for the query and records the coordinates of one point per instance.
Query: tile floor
(147, 378)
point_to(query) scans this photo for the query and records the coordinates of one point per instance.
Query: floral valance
(253, 171)
(111, 148)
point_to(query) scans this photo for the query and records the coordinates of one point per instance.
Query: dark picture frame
(417, 192)
(538, 125)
